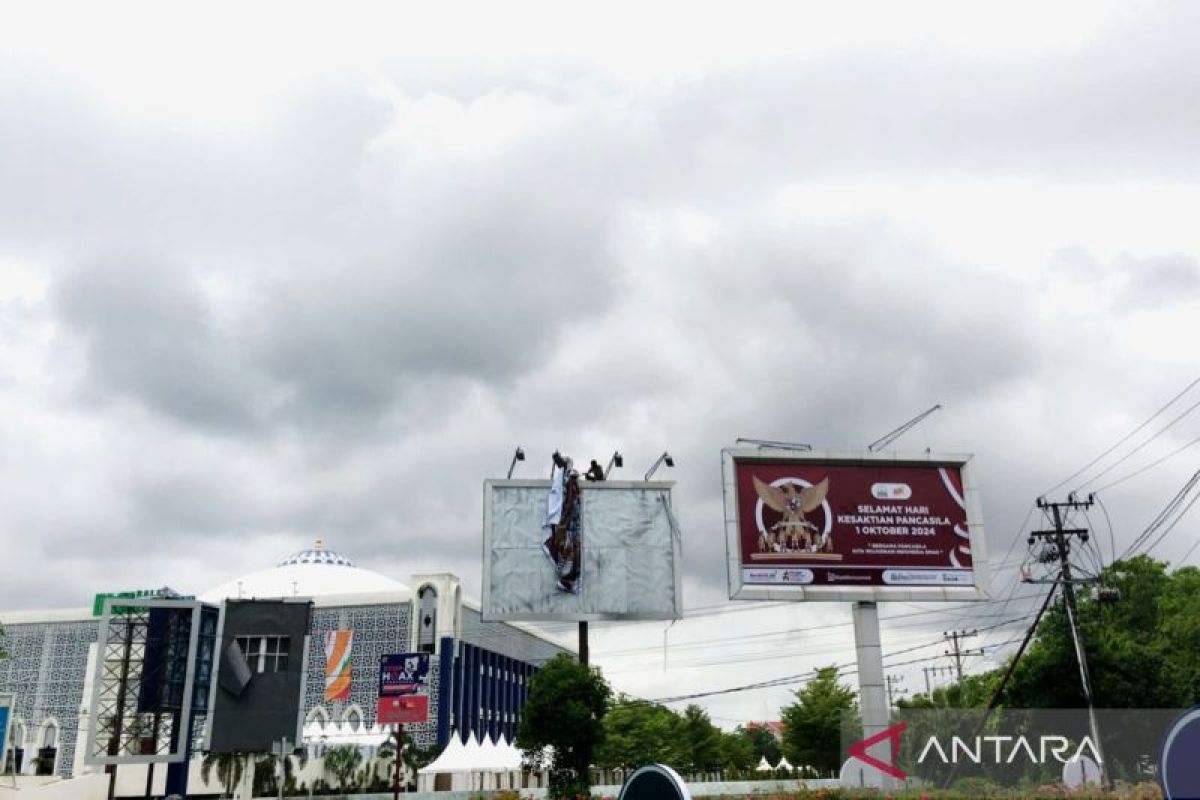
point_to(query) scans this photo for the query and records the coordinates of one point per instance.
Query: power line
(842, 669)
(1112, 538)
(815, 629)
(1171, 527)
(1121, 441)
(1165, 428)
(1161, 518)
(1189, 552)
(1149, 466)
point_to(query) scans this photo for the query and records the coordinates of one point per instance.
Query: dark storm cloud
(483, 294)
(149, 335)
(404, 316)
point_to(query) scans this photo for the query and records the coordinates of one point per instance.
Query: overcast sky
(269, 273)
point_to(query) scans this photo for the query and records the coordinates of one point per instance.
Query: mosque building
(478, 677)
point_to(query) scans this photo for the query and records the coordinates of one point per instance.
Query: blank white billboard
(631, 553)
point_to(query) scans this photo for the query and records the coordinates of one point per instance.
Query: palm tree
(343, 762)
(230, 767)
(269, 763)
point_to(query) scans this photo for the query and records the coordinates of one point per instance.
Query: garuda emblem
(793, 532)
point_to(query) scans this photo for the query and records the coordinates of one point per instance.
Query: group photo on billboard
(861, 526)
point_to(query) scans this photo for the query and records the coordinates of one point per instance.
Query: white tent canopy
(475, 765)
(453, 759)
(764, 765)
(783, 764)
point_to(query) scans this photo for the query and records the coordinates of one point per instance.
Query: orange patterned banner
(338, 646)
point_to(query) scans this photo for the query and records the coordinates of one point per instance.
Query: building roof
(315, 572)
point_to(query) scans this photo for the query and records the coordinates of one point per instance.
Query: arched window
(319, 716)
(427, 619)
(49, 734)
(47, 752)
(353, 719)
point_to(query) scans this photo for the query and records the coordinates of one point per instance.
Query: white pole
(872, 691)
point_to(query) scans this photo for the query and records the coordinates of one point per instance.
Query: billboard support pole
(583, 642)
(872, 692)
(398, 763)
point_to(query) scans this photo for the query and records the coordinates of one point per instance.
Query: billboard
(338, 647)
(403, 689)
(851, 526)
(598, 550)
(261, 675)
(152, 679)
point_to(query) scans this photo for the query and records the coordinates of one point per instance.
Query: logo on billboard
(891, 491)
(793, 531)
(338, 647)
(892, 734)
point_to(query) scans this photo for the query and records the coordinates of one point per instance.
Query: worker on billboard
(562, 531)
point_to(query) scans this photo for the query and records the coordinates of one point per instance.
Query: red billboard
(850, 526)
(402, 709)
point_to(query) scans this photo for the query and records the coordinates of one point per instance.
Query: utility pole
(954, 637)
(892, 682)
(934, 671)
(1012, 666)
(1060, 538)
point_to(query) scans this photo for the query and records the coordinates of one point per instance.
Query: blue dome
(317, 555)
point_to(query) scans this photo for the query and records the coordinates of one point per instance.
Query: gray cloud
(339, 321)
(149, 334)
(1159, 281)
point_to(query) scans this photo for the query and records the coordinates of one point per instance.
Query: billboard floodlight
(665, 458)
(519, 455)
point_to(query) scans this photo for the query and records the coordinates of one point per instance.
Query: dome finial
(319, 544)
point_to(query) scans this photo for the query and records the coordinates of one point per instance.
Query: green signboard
(165, 593)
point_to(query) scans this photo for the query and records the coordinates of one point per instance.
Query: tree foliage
(764, 743)
(738, 752)
(1143, 651)
(342, 762)
(813, 725)
(564, 712)
(637, 733)
(700, 740)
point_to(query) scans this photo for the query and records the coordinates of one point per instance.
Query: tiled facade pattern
(46, 668)
(378, 630)
(47, 664)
